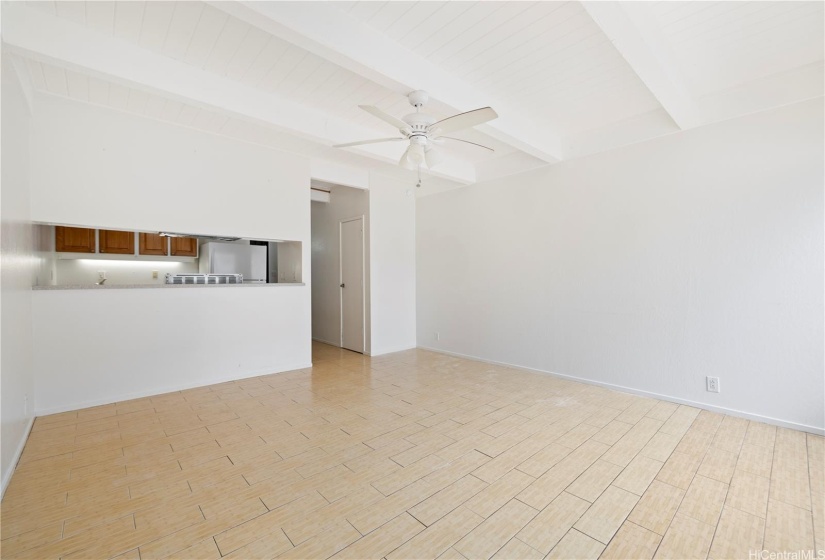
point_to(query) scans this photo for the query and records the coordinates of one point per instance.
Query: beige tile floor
(410, 455)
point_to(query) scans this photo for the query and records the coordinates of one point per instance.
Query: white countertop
(173, 286)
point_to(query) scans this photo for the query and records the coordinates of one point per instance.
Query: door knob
(342, 285)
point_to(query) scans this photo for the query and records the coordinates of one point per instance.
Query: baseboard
(322, 341)
(368, 352)
(162, 391)
(391, 350)
(643, 393)
(20, 446)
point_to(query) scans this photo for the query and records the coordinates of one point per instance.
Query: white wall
(99, 167)
(647, 267)
(92, 166)
(392, 264)
(345, 203)
(18, 268)
(100, 346)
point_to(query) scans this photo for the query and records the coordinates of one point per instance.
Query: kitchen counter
(173, 286)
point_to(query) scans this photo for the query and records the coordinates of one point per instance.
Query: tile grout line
(810, 493)
(688, 487)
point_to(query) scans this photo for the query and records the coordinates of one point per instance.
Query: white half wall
(93, 166)
(648, 267)
(102, 346)
(345, 203)
(392, 264)
(18, 268)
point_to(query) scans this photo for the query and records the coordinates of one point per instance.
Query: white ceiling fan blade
(362, 142)
(466, 142)
(376, 112)
(464, 120)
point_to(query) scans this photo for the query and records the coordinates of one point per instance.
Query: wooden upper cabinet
(74, 240)
(117, 242)
(184, 246)
(153, 244)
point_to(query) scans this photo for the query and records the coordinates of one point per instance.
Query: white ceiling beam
(634, 33)
(504, 166)
(334, 173)
(53, 40)
(19, 66)
(322, 29)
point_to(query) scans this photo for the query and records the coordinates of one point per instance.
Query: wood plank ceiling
(552, 61)
(720, 45)
(549, 57)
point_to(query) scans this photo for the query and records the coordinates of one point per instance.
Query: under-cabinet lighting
(125, 263)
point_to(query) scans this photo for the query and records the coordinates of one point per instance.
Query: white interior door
(352, 284)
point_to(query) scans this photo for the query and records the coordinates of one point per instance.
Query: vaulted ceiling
(566, 78)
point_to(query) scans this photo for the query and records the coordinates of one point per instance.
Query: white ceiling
(548, 57)
(567, 78)
(720, 45)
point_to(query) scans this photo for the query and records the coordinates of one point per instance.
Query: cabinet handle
(342, 285)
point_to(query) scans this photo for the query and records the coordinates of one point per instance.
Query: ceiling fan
(424, 132)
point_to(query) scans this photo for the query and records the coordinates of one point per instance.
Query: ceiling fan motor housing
(420, 140)
(418, 123)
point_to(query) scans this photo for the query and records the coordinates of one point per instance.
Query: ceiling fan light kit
(406, 162)
(433, 157)
(424, 132)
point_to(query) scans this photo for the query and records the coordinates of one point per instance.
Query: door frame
(341, 281)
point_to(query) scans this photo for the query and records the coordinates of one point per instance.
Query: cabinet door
(184, 246)
(118, 242)
(74, 240)
(153, 244)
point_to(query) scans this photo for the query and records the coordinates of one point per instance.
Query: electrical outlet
(437, 335)
(101, 275)
(712, 384)
(154, 274)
